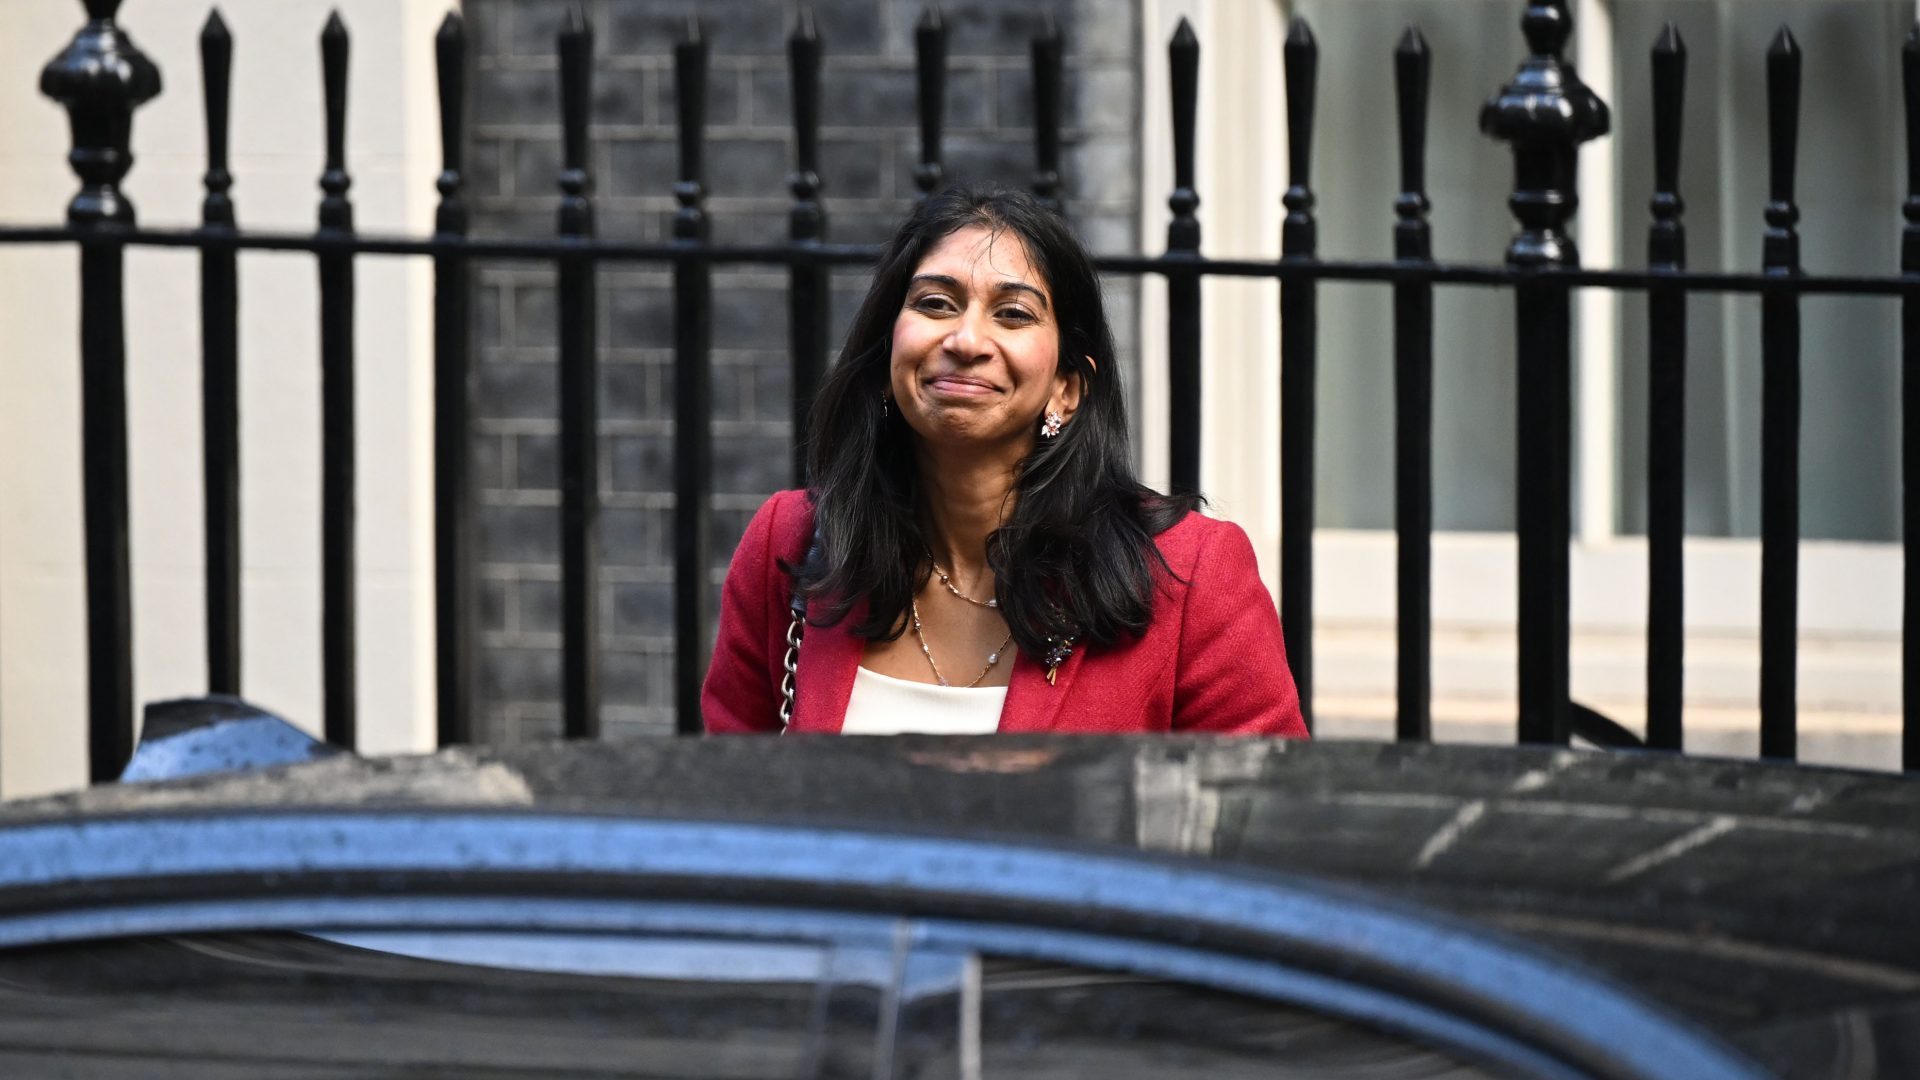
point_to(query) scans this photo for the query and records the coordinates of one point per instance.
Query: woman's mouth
(964, 385)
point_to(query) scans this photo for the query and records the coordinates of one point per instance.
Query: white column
(277, 142)
(1598, 320)
(1240, 166)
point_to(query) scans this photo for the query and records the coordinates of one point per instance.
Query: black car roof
(1740, 894)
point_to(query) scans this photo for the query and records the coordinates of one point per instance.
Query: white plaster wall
(277, 142)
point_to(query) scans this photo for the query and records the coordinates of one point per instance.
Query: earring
(883, 404)
(1051, 425)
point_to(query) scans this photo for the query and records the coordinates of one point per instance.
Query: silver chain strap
(794, 631)
(792, 665)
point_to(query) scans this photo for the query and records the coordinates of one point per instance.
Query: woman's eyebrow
(944, 280)
(1021, 286)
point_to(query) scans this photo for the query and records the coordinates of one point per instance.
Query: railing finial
(450, 63)
(1413, 80)
(1302, 54)
(1547, 26)
(930, 64)
(1048, 52)
(1545, 112)
(1783, 142)
(575, 46)
(690, 84)
(216, 70)
(101, 77)
(1183, 63)
(1910, 74)
(1669, 89)
(807, 219)
(334, 181)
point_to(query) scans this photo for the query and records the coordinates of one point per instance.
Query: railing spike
(1183, 285)
(1413, 400)
(219, 373)
(803, 62)
(454, 530)
(1780, 413)
(808, 287)
(930, 63)
(575, 45)
(579, 402)
(690, 83)
(1783, 125)
(1048, 50)
(1413, 77)
(1302, 55)
(450, 52)
(1183, 61)
(1910, 67)
(692, 393)
(1298, 363)
(333, 65)
(216, 70)
(1910, 415)
(337, 509)
(1669, 42)
(1669, 76)
(1666, 407)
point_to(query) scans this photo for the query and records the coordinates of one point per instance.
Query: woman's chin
(962, 433)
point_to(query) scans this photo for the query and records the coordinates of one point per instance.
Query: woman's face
(976, 353)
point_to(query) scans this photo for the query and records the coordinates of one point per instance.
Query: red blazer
(1212, 661)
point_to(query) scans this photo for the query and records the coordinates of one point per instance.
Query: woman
(975, 554)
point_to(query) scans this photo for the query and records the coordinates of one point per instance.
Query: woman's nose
(971, 336)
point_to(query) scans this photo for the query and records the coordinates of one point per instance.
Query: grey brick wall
(868, 148)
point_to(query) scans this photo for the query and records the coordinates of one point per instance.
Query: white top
(884, 705)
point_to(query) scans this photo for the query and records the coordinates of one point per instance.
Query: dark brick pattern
(869, 148)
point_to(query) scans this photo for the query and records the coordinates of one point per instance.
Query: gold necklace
(993, 657)
(993, 602)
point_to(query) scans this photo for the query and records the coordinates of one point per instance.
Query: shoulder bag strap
(795, 628)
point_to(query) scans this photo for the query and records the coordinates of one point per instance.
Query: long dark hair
(1076, 558)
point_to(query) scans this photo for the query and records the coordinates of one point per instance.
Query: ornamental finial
(1545, 112)
(101, 77)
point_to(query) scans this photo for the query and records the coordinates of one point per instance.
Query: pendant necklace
(993, 602)
(992, 658)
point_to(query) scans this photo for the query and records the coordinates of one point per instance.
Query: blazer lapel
(829, 656)
(1032, 702)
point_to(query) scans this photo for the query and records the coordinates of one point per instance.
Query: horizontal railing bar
(472, 247)
(1388, 272)
(1382, 271)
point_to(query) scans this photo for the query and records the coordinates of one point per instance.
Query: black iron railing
(1544, 112)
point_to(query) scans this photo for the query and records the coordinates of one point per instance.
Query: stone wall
(869, 146)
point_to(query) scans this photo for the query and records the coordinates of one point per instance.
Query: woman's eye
(1016, 315)
(934, 303)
